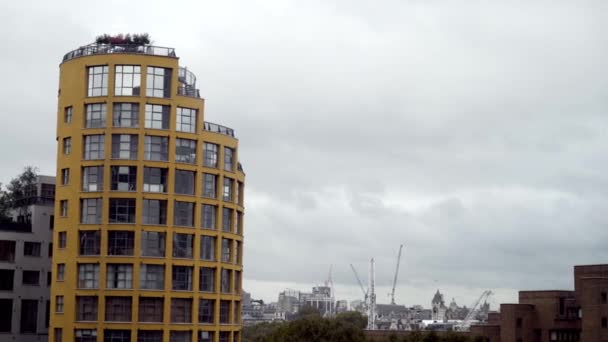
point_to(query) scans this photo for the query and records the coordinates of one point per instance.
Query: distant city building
(438, 307)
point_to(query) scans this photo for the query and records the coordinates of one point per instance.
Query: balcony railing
(101, 49)
(187, 91)
(186, 76)
(215, 128)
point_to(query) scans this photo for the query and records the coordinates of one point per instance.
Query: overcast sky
(475, 132)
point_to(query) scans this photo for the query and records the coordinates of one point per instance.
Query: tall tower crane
(466, 322)
(371, 309)
(360, 283)
(396, 275)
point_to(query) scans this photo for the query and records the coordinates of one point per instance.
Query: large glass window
(149, 335)
(30, 278)
(124, 146)
(153, 244)
(152, 277)
(226, 250)
(205, 336)
(88, 276)
(227, 219)
(29, 316)
(237, 283)
(224, 311)
(186, 120)
(209, 185)
(182, 278)
(118, 309)
(124, 178)
(183, 214)
(238, 224)
(155, 179)
(184, 182)
(225, 280)
(122, 210)
(185, 151)
(128, 80)
(208, 214)
(206, 310)
(89, 242)
(207, 279)
(98, 80)
(111, 335)
(90, 210)
(156, 148)
(126, 115)
(207, 248)
(157, 116)
(94, 147)
(120, 242)
(86, 308)
(150, 310)
(183, 244)
(155, 212)
(158, 82)
(181, 310)
(210, 154)
(239, 192)
(180, 336)
(119, 276)
(237, 252)
(92, 178)
(228, 159)
(227, 193)
(67, 145)
(7, 280)
(86, 335)
(95, 115)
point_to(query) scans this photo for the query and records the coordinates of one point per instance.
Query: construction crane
(330, 283)
(396, 275)
(466, 322)
(360, 283)
(371, 308)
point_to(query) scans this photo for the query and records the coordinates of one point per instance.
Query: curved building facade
(149, 204)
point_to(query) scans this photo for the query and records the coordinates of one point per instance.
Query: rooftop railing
(187, 91)
(100, 49)
(215, 128)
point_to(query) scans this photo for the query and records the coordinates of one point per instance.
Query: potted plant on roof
(128, 42)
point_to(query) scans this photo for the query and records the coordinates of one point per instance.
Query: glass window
(155, 179)
(94, 147)
(210, 154)
(122, 210)
(63, 207)
(126, 115)
(118, 309)
(239, 192)
(153, 244)
(157, 116)
(207, 279)
(90, 210)
(225, 280)
(58, 334)
(67, 145)
(98, 80)
(205, 336)
(228, 159)
(62, 240)
(186, 120)
(237, 283)
(182, 278)
(149, 335)
(117, 335)
(181, 310)
(150, 310)
(92, 178)
(209, 185)
(185, 151)
(120, 242)
(30, 278)
(227, 195)
(68, 114)
(180, 336)
(29, 316)
(95, 115)
(88, 276)
(155, 212)
(183, 244)
(124, 178)
(65, 176)
(226, 250)
(119, 276)
(227, 219)
(208, 214)
(152, 277)
(206, 310)
(224, 311)
(89, 242)
(237, 252)
(207, 248)
(127, 80)
(158, 82)
(156, 148)
(86, 335)
(124, 146)
(184, 182)
(183, 214)
(86, 309)
(60, 272)
(31, 248)
(238, 225)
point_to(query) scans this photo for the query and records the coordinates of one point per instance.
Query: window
(180, 336)
(118, 309)
(90, 210)
(236, 313)
(152, 244)
(227, 195)
(60, 272)
(227, 219)
(158, 82)
(157, 116)
(155, 212)
(518, 322)
(88, 276)
(209, 185)
(226, 250)
(224, 311)
(604, 322)
(206, 310)
(155, 179)
(205, 336)
(238, 225)
(31, 248)
(67, 114)
(210, 155)
(65, 176)
(207, 248)
(58, 304)
(119, 276)
(183, 245)
(48, 278)
(122, 210)
(31, 278)
(186, 120)
(29, 316)
(7, 250)
(95, 115)
(181, 310)
(239, 192)
(183, 214)
(237, 252)
(150, 309)
(152, 277)
(58, 334)
(7, 278)
(185, 151)
(149, 335)
(208, 214)
(117, 335)
(228, 159)
(124, 178)
(67, 145)
(207, 279)
(124, 146)
(182, 278)
(6, 314)
(224, 336)
(127, 80)
(604, 298)
(120, 243)
(85, 335)
(184, 182)
(125, 115)
(98, 80)
(237, 283)
(90, 242)
(225, 280)
(92, 178)
(156, 148)
(94, 147)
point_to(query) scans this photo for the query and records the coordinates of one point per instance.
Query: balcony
(188, 91)
(102, 49)
(215, 128)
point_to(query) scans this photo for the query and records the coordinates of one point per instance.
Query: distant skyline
(473, 132)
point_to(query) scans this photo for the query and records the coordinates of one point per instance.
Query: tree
(19, 193)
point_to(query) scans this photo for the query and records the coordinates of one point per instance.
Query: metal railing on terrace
(100, 49)
(187, 91)
(215, 128)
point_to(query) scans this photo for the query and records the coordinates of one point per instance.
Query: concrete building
(149, 237)
(438, 307)
(25, 265)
